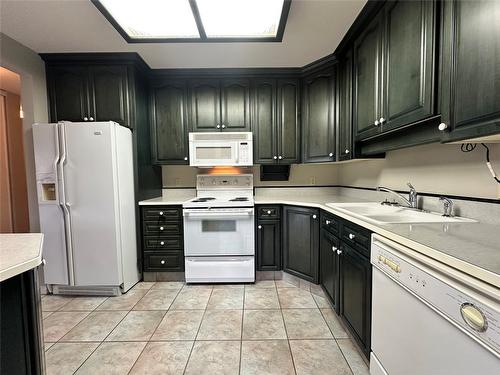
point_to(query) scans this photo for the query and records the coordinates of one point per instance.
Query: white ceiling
(313, 30)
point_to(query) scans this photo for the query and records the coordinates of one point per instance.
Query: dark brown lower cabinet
(355, 295)
(329, 266)
(301, 242)
(268, 245)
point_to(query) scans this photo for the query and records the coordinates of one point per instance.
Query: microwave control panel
(245, 153)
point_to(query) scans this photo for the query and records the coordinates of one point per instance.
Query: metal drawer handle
(346, 151)
(334, 248)
(223, 126)
(260, 227)
(269, 212)
(161, 228)
(351, 236)
(275, 157)
(339, 252)
(327, 222)
(162, 243)
(314, 216)
(280, 157)
(85, 119)
(330, 154)
(91, 118)
(162, 261)
(161, 213)
(218, 126)
(442, 126)
(185, 158)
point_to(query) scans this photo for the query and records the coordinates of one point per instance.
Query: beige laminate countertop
(473, 248)
(19, 252)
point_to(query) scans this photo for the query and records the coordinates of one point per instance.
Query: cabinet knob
(269, 212)
(85, 119)
(185, 158)
(330, 154)
(314, 216)
(280, 157)
(382, 120)
(161, 228)
(351, 236)
(275, 157)
(162, 261)
(218, 126)
(339, 252)
(334, 249)
(161, 213)
(91, 119)
(346, 151)
(376, 123)
(442, 126)
(260, 227)
(327, 222)
(162, 243)
(223, 126)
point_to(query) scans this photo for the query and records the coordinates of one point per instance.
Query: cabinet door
(355, 285)
(235, 105)
(367, 72)
(301, 242)
(169, 123)
(269, 245)
(288, 121)
(329, 266)
(204, 97)
(68, 91)
(264, 121)
(318, 121)
(109, 93)
(470, 99)
(345, 151)
(409, 62)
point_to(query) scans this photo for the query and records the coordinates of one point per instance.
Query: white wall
(30, 67)
(300, 175)
(437, 168)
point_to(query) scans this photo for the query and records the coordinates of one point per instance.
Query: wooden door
(288, 121)
(235, 105)
(204, 97)
(269, 245)
(329, 265)
(346, 144)
(264, 121)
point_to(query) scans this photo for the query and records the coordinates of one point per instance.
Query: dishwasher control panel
(473, 313)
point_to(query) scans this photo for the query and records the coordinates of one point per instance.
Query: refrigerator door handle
(65, 205)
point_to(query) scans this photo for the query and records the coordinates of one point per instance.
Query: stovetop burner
(239, 199)
(204, 199)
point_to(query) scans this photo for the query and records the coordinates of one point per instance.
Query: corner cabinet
(219, 105)
(394, 68)
(318, 119)
(470, 94)
(169, 132)
(81, 93)
(301, 242)
(275, 121)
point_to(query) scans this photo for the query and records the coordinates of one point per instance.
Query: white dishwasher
(428, 318)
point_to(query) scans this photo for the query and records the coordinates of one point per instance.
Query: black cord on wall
(468, 147)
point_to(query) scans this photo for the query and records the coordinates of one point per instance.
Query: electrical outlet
(312, 180)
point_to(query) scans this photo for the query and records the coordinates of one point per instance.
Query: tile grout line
(198, 331)
(242, 319)
(286, 332)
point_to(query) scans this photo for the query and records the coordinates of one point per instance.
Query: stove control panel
(224, 182)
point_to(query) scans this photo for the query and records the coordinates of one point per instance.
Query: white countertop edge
(24, 266)
(20, 268)
(148, 202)
(468, 268)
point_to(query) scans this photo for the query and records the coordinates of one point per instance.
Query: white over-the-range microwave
(220, 149)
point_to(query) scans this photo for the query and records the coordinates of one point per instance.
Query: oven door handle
(212, 214)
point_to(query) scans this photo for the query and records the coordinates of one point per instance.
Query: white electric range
(219, 231)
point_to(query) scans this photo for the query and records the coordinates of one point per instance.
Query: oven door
(219, 231)
(213, 153)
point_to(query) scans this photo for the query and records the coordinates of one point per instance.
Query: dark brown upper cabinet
(394, 68)
(409, 63)
(275, 120)
(367, 80)
(89, 93)
(169, 110)
(470, 94)
(318, 120)
(344, 134)
(219, 105)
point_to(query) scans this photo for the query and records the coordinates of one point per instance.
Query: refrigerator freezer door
(90, 185)
(47, 158)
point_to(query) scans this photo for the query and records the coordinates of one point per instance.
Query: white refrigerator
(85, 184)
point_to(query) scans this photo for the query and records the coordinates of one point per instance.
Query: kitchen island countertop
(19, 252)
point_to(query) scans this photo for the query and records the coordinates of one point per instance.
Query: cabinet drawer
(168, 261)
(161, 212)
(357, 237)
(269, 212)
(159, 244)
(330, 223)
(160, 229)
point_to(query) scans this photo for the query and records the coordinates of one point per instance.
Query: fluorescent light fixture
(153, 19)
(240, 18)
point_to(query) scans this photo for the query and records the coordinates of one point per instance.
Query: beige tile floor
(171, 328)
